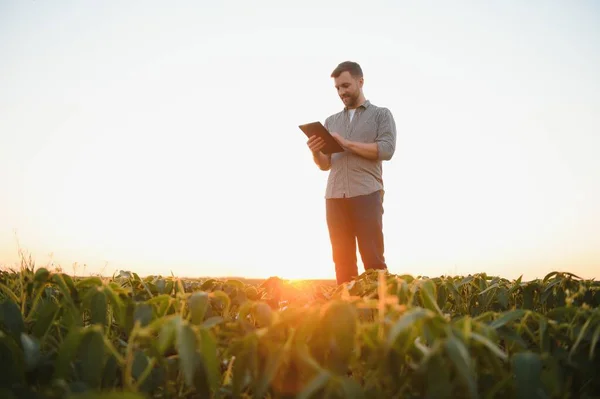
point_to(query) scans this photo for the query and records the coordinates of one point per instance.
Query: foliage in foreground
(382, 335)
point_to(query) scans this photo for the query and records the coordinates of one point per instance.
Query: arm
(365, 150)
(386, 136)
(323, 161)
(385, 142)
(315, 144)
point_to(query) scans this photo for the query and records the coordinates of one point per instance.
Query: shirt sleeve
(386, 135)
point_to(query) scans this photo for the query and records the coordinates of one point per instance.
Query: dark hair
(350, 66)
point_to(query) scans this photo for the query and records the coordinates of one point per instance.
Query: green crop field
(383, 336)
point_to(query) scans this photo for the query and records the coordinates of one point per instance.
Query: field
(382, 336)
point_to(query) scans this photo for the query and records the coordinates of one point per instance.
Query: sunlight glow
(167, 141)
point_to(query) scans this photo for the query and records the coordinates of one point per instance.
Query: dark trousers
(351, 221)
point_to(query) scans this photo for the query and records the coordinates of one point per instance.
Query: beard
(350, 100)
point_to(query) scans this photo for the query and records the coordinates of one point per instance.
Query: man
(354, 194)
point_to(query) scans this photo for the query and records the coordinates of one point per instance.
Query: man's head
(348, 78)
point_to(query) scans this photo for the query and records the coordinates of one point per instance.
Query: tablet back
(317, 128)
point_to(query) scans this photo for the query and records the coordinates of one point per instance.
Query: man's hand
(365, 150)
(315, 144)
(342, 141)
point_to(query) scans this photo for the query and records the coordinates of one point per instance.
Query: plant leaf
(490, 345)
(186, 347)
(507, 317)
(459, 356)
(198, 304)
(408, 320)
(527, 370)
(91, 353)
(99, 308)
(315, 385)
(11, 319)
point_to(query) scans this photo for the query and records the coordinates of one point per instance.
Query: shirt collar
(365, 105)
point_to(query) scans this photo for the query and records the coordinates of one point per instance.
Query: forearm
(365, 150)
(323, 161)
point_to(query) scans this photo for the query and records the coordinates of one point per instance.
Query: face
(348, 88)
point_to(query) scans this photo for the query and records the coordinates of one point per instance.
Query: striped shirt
(350, 174)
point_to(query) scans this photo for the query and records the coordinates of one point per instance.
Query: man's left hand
(343, 142)
(365, 150)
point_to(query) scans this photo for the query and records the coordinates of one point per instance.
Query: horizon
(147, 138)
(59, 269)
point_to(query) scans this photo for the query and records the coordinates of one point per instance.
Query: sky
(164, 138)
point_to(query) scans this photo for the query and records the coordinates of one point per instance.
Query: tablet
(317, 128)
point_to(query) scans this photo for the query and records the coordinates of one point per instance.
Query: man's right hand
(315, 144)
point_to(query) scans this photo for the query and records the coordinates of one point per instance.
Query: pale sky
(158, 137)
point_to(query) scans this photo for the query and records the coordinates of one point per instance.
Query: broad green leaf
(140, 363)
(241, 368)
(491, 287)
(543, 335)
(274, 359)
(9, 293)
(562, 313)
(262, 314)
(408, 320)
(351, 389)
(439, 384)
(186, 347)
(169, 288)
(198, 304)
(490, 345)
(98, 308)
(428, 297)
(507, 317)
(527, 370)
(549, 276)
(516, 286)
(11, 319)
(315, 385)
(67, 353)
(464, 281)
(208, 349)
(143, 314)
(207, 285)
(166, 336)
(117, 305)
(31, 351)
(595, 338)
(41, 275)
(528, 295)
(459, 355)
(161, 286)
(580, 336)
(212, 321)
(502, 296)
(45, 313)
(222, 300)
(109, 374)
(91, 354)
(71, 286)
(511, 337)
(12, 366)
(235, 283)
(339, 325)
(500, 385)
(90, 282)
